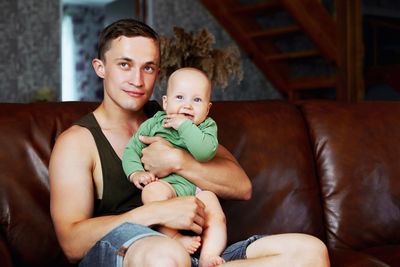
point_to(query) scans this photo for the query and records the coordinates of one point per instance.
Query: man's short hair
(124, 27)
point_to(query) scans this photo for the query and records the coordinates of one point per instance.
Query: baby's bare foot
(210, 260)
(190, 243)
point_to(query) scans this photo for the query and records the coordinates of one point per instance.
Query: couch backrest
(27, 135)
(357, 150)
(269, 139)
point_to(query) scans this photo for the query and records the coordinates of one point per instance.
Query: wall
(88, 22)
(385, 8)
(193, 16)
(29, 47)
(119, 9)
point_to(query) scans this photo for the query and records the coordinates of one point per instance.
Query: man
(98, 219)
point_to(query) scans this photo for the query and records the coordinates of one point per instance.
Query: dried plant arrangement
(44, 94)
(190, 50)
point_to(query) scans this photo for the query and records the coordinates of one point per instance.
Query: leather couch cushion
(356, 147)
(269, 139)
(28, 134)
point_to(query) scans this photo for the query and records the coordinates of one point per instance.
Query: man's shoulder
(75, 136)
(74, 147)
(75, 130)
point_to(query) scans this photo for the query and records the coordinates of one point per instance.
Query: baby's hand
(173, 120)
(142, 178)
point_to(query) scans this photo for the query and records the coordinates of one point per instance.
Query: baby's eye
(179, 97)
(197, 99)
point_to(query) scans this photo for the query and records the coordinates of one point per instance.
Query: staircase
(328, 40)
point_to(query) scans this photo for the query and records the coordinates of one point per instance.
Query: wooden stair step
(292, 55)
(275, 32)
(257, 9)
(313, 82)
(317, 24)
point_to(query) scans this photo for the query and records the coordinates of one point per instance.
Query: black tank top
(119, 195)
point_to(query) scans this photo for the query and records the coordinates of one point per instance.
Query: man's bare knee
(317, 252)
(156, 251)
(310, 251)
(299, 249)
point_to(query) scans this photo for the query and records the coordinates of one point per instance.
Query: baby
(184, 123)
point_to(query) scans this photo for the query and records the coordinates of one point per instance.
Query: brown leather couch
(328, 169)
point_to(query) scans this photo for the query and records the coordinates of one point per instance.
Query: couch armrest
(5, 257)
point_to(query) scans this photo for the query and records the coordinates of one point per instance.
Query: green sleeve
(133, 151)
(201, 140)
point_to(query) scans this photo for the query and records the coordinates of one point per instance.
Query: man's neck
(112, 117)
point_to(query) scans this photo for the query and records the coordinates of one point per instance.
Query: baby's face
(188, 93)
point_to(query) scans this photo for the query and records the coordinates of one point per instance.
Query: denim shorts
(110, 250)
(236, 251)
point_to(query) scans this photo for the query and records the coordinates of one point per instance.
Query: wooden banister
(351, 81)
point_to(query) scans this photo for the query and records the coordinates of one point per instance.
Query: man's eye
(197, 99)
(149, 69)
(124, 65)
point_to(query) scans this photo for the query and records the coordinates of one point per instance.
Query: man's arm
(72, 165)
(222, 175)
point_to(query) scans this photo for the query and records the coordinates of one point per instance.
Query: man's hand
(185, 213)
(141, 178)
(160, 157)
(174, 120)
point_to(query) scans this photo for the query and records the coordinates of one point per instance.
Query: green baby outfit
(199, 140)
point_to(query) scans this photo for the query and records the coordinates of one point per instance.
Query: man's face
(130, 71)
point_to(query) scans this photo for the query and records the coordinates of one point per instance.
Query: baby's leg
(214, 234)
(190, 243)
(157, 191)
(161, 190)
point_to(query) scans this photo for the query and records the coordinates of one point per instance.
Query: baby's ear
(164, 102)
(209, 106)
